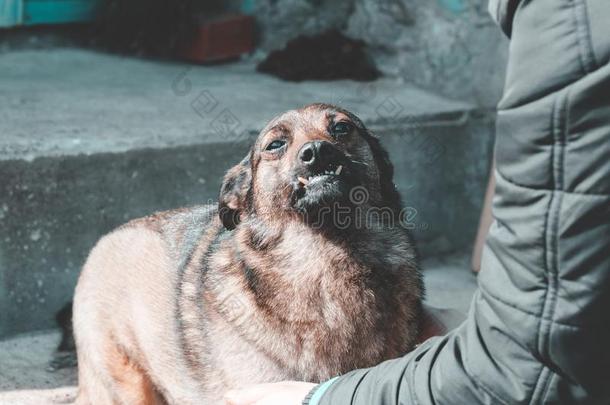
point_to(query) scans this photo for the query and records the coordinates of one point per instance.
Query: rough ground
(24, 360)
(24, 378)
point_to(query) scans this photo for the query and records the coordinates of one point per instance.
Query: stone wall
(449, 46)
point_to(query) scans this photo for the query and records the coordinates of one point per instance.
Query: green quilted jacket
(538, 329)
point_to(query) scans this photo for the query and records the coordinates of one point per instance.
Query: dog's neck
(305, 260)
(321, 297)
(294, 243)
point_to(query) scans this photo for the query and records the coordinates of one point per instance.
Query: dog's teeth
(338, 171)
(303, 180)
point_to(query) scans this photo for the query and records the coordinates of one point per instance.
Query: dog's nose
(316, 152)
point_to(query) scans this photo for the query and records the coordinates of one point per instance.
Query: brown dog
(302, 272)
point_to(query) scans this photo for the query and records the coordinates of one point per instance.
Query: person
(538, 330)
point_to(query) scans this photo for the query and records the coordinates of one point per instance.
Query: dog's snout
(316, 153)
(308, 153)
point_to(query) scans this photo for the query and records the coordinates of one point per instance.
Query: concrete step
(90, 140)
(25, 377)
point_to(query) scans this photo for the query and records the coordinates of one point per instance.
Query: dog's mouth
(332, 172)
(322, 187)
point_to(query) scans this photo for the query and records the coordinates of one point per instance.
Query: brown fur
(180, 306)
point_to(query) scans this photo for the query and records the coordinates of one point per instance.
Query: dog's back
(124, 309)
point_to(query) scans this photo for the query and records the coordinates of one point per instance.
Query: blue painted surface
(32, 12)
(247, 6)
(11, 12)
(455, 6)
(57, 11)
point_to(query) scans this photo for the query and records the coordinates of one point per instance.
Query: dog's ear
(235, 196)
(389, 192)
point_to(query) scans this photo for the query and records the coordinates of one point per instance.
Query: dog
(303, 271)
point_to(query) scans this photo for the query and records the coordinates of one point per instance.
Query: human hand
(282, 393)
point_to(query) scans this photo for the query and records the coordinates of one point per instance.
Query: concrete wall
(53, 210)
(449, 46)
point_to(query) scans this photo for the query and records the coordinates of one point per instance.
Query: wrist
(310, 394)
(315, 394)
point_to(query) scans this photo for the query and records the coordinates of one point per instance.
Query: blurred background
(114, 109)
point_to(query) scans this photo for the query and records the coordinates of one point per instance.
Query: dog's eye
(341, 128)
(275, 145)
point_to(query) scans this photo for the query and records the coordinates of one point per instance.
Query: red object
(224, 38)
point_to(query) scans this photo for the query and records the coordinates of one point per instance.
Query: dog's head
(305, 160)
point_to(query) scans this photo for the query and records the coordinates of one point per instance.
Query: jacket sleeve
(503, 11)
(537, 330)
